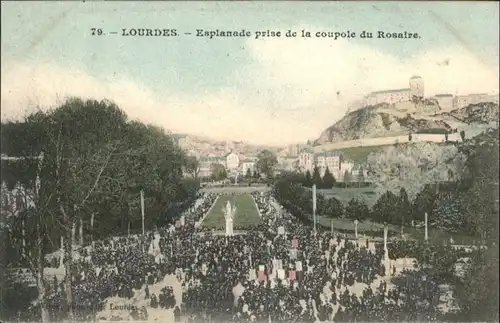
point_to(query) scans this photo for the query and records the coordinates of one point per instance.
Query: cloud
(291, 91)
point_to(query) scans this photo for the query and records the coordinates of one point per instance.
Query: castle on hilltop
(416, 91)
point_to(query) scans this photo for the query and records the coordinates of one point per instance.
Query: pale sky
(268, 91)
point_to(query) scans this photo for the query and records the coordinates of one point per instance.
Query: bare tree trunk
(68, 260)
(40, 281)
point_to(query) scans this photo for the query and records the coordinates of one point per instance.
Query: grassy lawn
(346, 225)
(344, 195)
(246, 212)
(436, 236)
(359, 154)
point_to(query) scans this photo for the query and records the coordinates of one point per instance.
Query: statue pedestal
(229, 215)
(229, 228)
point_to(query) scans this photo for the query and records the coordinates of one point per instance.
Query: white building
(339, 173)
(247, 164)
(232, 161)
(306, 160)
(445, 101)
(292, 150)
(206, 164)
(329, 159)
(392, 96)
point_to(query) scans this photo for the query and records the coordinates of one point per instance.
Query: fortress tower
(416, 87)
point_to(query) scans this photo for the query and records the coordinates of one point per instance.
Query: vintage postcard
(249, 161)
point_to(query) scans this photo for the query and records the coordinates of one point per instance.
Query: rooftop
(391, 91)
(415, 77)
(211, 158)
(330, 154)
(306, 150)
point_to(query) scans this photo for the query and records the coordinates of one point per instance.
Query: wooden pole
(81, 232)
(92, 228)
(61, 260)
(426, 231)
(142, 210)
(314, 206)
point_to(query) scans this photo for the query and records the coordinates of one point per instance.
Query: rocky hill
(385, 120)
(482, 113)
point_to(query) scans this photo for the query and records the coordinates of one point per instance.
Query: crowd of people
(278, 271)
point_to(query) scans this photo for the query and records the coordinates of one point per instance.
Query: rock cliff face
(382, 120)
(482, 113)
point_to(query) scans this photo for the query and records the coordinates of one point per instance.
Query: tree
(483, 172)
(462, 135)
(413, 166)
(316, 178)
(94, 162)
(347, 177)
(361, 175)
(409, 137)
(248, 174)
(328, 179)
(266, 161)
(404, 208)
(356, 210)
(450, 210)
(385, 209)
(476, 293)
(308, 182)
(192, 166)
(218, 171)
(332, 208)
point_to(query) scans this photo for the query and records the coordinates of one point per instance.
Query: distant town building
(206, 164)
(248, 164)
(292, 150)
(340, 172)
(306, 159)
(232, 161)
(330, 159)
(288, 163)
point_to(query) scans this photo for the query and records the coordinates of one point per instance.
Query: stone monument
(229, 211)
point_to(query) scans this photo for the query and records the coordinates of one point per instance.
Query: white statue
(229, 215)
